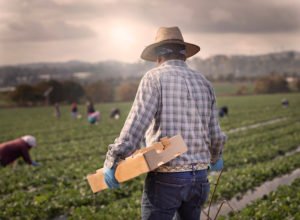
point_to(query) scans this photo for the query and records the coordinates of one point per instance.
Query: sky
(100, 30)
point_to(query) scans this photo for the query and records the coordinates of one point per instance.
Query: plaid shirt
(172, 99)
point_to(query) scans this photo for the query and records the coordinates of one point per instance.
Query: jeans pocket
(205, 192)
(167, 195)
(203, 189)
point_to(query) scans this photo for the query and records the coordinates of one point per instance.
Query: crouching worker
(115, 113)
(10, 151)
(94, 117)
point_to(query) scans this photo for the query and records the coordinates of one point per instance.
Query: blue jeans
(174, 195)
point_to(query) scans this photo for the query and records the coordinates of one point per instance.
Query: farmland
(229, 88)
(69, 149)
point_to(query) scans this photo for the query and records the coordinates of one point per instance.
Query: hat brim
(149, 52)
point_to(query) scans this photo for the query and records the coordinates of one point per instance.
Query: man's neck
(160, 61)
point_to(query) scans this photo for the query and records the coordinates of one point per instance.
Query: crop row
(280, 204)
(241, 179)
(57, 193)
(70, 149)
(261, 146)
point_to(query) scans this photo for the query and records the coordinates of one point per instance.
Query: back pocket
(202, 192)
(167, 195)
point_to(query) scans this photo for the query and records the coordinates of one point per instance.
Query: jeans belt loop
(193, 169)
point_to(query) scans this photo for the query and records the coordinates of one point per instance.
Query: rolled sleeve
(139, 118)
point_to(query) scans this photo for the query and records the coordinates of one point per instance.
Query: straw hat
(30, 140)
(167, 35)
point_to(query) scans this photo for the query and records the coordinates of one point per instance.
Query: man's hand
(109, 177)
(217, 166)
(35, 164)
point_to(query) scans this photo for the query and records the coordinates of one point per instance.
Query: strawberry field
(69, 149)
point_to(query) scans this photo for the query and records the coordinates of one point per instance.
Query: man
(90, 108)
(12, 150)
(223, 111)
(172, 99)
(74, 110)
(57, 110)
(115, 113)
(93, 115)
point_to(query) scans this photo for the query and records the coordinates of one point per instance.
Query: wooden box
(142, 161)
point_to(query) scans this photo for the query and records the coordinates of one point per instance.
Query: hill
(215, 67)
(249, 66)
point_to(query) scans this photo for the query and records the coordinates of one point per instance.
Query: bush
(271, 84)
(126, 91)
(66, 91)
(26, 95)
(100, 91)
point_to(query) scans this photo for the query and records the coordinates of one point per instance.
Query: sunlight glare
(122, 36)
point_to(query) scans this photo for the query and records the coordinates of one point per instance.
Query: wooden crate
(142, 161)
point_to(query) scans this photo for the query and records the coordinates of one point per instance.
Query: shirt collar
(174, 63)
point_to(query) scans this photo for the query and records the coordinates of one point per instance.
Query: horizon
(93, 31)
(140, 60)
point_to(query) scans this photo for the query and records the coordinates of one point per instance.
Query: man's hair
(171, 51)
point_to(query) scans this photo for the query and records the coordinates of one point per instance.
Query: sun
(122, 36)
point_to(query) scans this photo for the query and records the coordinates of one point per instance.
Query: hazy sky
(96, 30)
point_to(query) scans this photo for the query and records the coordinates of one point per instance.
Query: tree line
(276, 83)
(50, 92)
(53, 91)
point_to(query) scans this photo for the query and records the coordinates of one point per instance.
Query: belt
(182, 168)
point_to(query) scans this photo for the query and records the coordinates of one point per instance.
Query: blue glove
(218, 166)
(35, 164)
(109, 178)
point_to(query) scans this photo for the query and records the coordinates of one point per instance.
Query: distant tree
(271, 84)
(72, 91)
(230, 77)
(242, 90)
(57, 94)
(26, 95)
(210, 78)
(126, 91)
(295, 84)
(100, 91)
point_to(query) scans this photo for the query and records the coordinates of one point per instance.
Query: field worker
(12, 150)
(90, 108)
(94, 117)
(285, 103)
(57, 110)
(74, 110)
(115, 113)
(172, 99)
(223, 111)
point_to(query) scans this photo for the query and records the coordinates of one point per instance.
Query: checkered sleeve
(138, 120)
(217, 137)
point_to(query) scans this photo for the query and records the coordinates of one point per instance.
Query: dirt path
(257, 125)
(252, 195)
